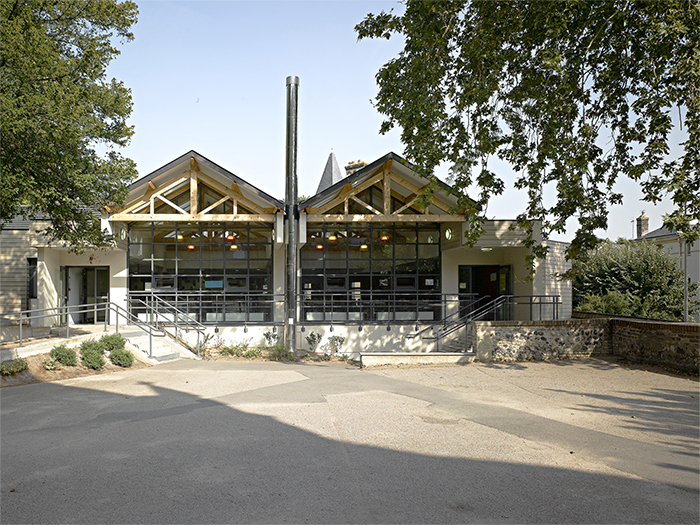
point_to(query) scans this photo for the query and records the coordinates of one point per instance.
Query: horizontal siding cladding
(554, 264)
(15, 247)
(499, 233)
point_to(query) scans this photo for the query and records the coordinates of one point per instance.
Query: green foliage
(52, 364)
(65, 355)
(240, 349)
(279, 352)
(121, 357)
(271, 338)
(91, 354)
(637, 279)
(58, 108)
(313, 340)
(7, 368)
(112, 342)
(572, 94)
(332, 346)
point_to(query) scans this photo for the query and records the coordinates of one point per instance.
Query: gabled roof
(399, 165)
(661, 232)
(182, 163)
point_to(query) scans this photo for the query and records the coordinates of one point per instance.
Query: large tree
(61, 117)
(572, 93)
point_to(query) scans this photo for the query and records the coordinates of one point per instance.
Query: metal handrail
(191, 324)
(68, 310)
(446, 320)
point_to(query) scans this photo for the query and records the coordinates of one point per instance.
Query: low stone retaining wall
(653, 342)
(539, 340)
(657, 342)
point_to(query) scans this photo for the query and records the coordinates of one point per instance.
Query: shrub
(332, 347)
(121, 357)
(313, 339)
(52, 364)
(7, 368)
(252, 353)
(91, 354)
(112, 342)
(235, 349)
(271, 338)
(280, 353)
(65, 355)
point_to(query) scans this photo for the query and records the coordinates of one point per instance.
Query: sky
(210, 76)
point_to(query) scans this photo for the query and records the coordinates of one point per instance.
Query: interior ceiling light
(319, 247)
(332, 238)
(179, 237)
(363, 247)
(233, 247)
(191, 247)
(230, 237)
(384, 238)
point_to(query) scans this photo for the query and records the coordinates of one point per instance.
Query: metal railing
(207, 308)
(376, 307)
(63, 316)
(163, 315)
(502, 308)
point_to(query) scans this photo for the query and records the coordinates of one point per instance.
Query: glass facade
(216, 272)
(371, 272)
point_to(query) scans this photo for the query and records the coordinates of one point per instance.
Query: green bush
(252, 353)
(91, 354)
(52, 364)
(271, 338)
(112, 342)
(7, 368)
(280, 353)
(332, 347)
(313, 339)
(121, 357)
(235, 349)
(65, 355)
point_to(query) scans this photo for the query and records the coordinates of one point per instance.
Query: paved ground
(225, 442)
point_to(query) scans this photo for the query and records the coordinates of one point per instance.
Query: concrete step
(164, 348)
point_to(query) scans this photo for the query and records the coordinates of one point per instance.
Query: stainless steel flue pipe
(291, 214)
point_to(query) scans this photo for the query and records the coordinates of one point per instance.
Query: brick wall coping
(673, 325)
(558, 322)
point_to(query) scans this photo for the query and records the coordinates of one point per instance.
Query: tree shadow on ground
(73, 455)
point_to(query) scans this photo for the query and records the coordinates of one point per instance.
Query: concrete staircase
(164, 348)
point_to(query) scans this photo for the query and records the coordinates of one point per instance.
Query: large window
(371, 272)
(216, 272)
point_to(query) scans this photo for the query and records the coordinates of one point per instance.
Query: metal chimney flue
(291, 214)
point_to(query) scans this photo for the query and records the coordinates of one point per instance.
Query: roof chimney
(354, 166)
(642, 225)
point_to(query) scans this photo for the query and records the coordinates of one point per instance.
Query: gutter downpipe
(291, 214)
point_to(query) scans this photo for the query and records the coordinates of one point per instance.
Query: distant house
(671, 242)
(371, 261)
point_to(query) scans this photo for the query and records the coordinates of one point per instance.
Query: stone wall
(539, 340)
(655, 342)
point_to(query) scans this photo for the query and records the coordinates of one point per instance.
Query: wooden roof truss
(382, 180)
(144, 208)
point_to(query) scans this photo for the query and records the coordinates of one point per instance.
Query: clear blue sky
(210, 76)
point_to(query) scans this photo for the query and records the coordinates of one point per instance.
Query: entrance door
(85, 285)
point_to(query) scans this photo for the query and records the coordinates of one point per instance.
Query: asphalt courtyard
(259, 442)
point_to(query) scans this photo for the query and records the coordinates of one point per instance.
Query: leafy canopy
(635, 278)
(572, 94)
(58, 109)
